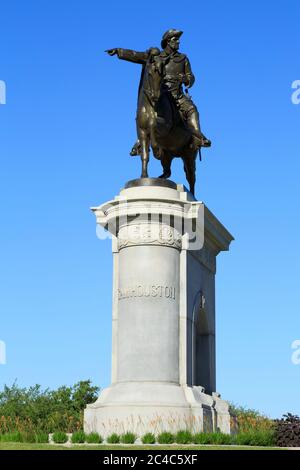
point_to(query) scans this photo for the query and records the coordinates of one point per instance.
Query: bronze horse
(160, 125)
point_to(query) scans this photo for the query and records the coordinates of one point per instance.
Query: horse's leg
(166, 161)
(144, 142)
(190, 171)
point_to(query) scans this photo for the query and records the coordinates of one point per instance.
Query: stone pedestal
(165, 245)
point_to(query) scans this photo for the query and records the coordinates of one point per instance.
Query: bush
(93, 438)
(31, 409)
(165, 438)
(29, 437)
(250, 420)
(12, 437)
(183, 437)
(113, 439)
(42, 437)
(148, 438)
(287, 431)
(221, 439)
(128, 438)
(202, 438)
(60, 437)
(212, 438)
(78, 437)
(255, 438)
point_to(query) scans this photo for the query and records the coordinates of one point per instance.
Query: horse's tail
(200, 156)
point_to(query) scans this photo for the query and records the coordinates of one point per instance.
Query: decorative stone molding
(148, 234)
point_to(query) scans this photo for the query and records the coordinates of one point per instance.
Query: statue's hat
(169, 34)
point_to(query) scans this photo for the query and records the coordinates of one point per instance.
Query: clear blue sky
(59, 156)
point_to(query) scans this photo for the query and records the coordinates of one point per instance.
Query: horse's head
(154, 75)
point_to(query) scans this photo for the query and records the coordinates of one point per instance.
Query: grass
(60, 437)
(113, 438)
(128, 438)
(93, 438)
(165, 438)
(26, 446)
(148, 438)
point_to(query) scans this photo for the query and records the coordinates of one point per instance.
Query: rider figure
(176, 73)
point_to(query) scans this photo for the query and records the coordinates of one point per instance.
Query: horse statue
(160, 120)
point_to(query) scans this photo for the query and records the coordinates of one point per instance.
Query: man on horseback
(177, 72)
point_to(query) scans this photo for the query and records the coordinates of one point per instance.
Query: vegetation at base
(255, 438)
(28, 415)
(148, 438)
(183, 437)
(60, 437)
(247, 419)
(222, 439)
(42, 438)
(287, 431)
(93, 438)
(113, 439)
(78, 437)
(24, 437)
(165, 438)
(128, 438)
(104, 447)
(213, 438)
(11, 437)
(33, 410)
(29, 437)
(201, 438)
(250, 438)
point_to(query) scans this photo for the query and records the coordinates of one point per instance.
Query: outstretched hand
(112, 51)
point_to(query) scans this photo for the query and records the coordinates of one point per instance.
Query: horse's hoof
(144, 175)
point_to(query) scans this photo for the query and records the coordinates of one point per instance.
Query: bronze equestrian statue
(167, 119)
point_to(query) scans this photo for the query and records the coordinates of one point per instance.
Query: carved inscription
(153, 290)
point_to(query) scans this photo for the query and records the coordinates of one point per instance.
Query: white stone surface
(163, 345)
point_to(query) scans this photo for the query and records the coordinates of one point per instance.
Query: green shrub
(28, 437)
(30, 409)
(244, 438)
(42, 437)
(221, 439)
(78, 437)
(148, 438)
(12, 437)
(60, 437)
(212, 438)
(165, 438)
(93, 438)
(249, 419)
(202, 438)
(113, 439)
(256, 438)
(267, 438)
(128, 438)
(183, 437)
